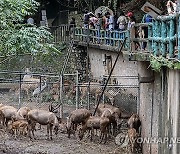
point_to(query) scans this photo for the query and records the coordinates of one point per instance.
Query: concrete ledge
(134, 56)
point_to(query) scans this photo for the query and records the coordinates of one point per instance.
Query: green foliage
(49, 60)
(17, 38)
(157, 62)
(177, 65)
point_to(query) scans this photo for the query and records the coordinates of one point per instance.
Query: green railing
(102, 37)
(163, 37)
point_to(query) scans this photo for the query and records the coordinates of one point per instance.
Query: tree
(17, 38)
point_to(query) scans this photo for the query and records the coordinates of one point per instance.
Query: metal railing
(163, 37)
(60, 33)
(101, 37)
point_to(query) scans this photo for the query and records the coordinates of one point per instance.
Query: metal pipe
(99, 99)
(77, 91)
(61, 96)
(19, 106)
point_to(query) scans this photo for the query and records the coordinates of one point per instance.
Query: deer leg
(32, 129)
(114, 128)
(6, 122)
(88, 133)
(15, 133)
(3, 121)
(92, 133)
(39, 128)
(48, 128)
(105, 134)
(29, 131)
(51, 126)
(101, 137)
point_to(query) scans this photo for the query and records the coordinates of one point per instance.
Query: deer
(133, 136)
(22, 113)
(7, 113)
(96, 90)
(95, 122)
(76, 117)
(43, 118)
(115, 117)
(18, 127)
(134, 122)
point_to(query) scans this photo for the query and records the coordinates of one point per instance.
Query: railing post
(132, 36)
(171, 34)
(163, 35)
(149, 43)
(155, 35)
(179, 37)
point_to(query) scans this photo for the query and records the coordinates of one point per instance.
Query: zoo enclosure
(66, 90)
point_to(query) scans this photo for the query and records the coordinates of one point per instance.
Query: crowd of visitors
(110, 22)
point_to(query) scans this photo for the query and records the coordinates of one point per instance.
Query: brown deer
(134, 122)
(22, 113)
(76, 117)
(18, 127)
(95, 123)
(115, 118)
(7, 113)
(133, 136)
(43, 118)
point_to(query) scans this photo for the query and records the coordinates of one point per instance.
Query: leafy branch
(156, 63)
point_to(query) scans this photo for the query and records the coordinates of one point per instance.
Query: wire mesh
(37, 90)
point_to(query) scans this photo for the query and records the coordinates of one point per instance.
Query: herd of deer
(24, 120)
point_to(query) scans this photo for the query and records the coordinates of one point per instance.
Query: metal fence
(28, 89)
(38, 90)
(121, 91)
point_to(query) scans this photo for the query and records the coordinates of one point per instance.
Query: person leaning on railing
(86, 24)
(122, 22)
(72, 26)
(171, 7)
(99, 26)
(146, 19)
(131, 23)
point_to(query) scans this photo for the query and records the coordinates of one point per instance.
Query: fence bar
(179, 37)
(40, 95)
(19, 106)
(77, 90)
(99, 99)
(61, 96)
(88, 101)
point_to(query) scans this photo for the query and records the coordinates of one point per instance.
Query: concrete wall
(173, 110)
(159, 99)
(146, 104)
(122, 68)
(159, 109)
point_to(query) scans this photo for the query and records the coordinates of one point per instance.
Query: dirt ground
(60, 144)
